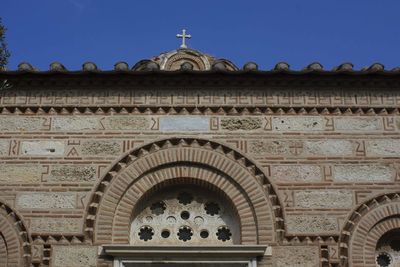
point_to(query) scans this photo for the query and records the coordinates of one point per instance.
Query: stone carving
(233, 124)
(388, 249)
(185, 215)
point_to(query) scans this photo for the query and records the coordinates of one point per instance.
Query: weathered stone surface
(74, 256)
(91, 123)
(21, 173)
(126, 123)
(56, 225)
(233, 124)
(42, 148)
(383, 147)
(269, 147)
(34, 200)
(295, 256)
(100, 148)
(184, 123)
(15, 124)
(323, 199)
(330, 147)
(4, 147)
(296, 123)
(72, 173)
(363, 173)
(296, 173)
(309, 148)
(364, 124)
(76, 123)
(316, 224)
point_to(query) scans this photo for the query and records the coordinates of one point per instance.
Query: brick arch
(364, 227)
(15, 242)
(110, 208)
(199, 175)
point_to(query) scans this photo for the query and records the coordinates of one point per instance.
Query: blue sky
(265, 31)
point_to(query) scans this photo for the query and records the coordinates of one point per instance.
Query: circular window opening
(146, 233)
(165, 234)
(185, 198)
(204, 234)
(383, 259)
(185, 233)
(185, 215)
(224, 234)
(158, 208)
(212, 208)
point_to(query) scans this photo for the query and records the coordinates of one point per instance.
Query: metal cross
(183, 36)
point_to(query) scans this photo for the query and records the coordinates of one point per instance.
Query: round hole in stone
(185, 198)
(185, 233)
(146, 233)
(165, 233)
(383, 259)
(171, 219)
(158, 208)
(224, 233)
(204, 234)
(185, 215)
(212, 208)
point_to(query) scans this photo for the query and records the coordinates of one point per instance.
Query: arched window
(388, 249)
(185, 215)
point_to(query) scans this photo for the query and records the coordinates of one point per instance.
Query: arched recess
(114, 198)
(15, 242)
(363, 228)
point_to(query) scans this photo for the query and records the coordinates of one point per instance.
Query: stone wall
(321, 165)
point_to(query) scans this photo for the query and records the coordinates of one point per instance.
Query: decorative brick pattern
(15, 237)
(363, 228)
(77, 160)
(212, 156)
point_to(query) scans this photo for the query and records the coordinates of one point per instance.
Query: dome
(186, 59)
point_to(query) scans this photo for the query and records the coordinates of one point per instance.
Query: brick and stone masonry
(309, 160)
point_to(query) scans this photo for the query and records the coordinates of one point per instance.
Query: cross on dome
(184, 36)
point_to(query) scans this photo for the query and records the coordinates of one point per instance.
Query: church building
(185, 159)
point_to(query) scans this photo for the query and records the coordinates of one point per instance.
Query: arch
(365, 225)
(15, 242)
(113, 200)
(200, 192)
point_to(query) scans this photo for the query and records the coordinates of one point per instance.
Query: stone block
(56, 225)
(126, 123)
(383, 147)
(42, 148)
(328, 148)
(76, 123)
(21, 173)
(325, 199)
(315, 224)
(23, 124)
(363, 173)
(35, 200)
(295, 256)
(74, 256)
(358, 124)
(298, 124)
(304, 148)
(72, 173)
(296, 173)
(100, 148)
(4, 147)
(239, 123)
(184, 123)
(268, 147)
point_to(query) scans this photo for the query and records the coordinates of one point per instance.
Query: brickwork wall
(323, 155)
